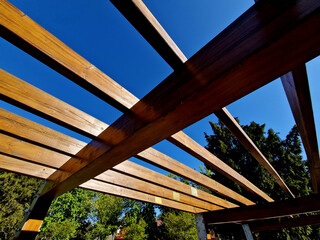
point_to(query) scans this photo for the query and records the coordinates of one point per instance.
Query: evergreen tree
(284, 155)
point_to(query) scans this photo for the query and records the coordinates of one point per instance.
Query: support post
(201, 227)
(247, 231)
(34, 216)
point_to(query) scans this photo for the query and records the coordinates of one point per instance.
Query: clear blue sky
(99, 33)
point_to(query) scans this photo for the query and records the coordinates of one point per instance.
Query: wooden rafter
(183, 99)
(296, 86)
(268, 210)
(35, 170)
(92, 79)
(21, 128)
(142, 19)
(18, 92)
(275, 224)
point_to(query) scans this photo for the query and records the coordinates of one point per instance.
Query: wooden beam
(13, 164)
(92, 82)
(142, 19)
(43, 104)
(245, 140)
(182, 98)
(268, 210)
(296, 86)
(19, 127)
(275, 224)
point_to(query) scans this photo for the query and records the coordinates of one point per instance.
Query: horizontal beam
(45, 105)
(275, 224)
(142, 19)
(296, 86)
(92, 79)
(182, 99)
(13, 164)
(27, 130)
(268, 210)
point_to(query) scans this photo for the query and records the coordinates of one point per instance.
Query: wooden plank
(268, 210)
(94, 82)
(136, 170)
(26, 34)
(157, 158)
(31, 131)
(55, 110)
(189, 145)
(142, 19)
(28, 97)
(181, 99)
(275, 224)
(123, 180)
(30, 152)
(35, 170)
(38, 134)
(296, 86)
(26, 168)
(245, 140)
(128, 193)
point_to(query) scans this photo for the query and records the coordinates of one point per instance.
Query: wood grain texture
(20, 127)
(136, 170)
(52, 108)
(128, 193)
(142, 19)
(267, 29)
(268, 210)
(275, 224)
(67, 117)
(26, 34)
(296, 86)
(19, 166)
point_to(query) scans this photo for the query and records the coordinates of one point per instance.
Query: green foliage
(135, 228)
(179, 226)
(16, 194)
(63, 230)
(107, 211)
(284, 155)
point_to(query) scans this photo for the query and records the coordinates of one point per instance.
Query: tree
(284, 155)
(106, 213)
(16, 195)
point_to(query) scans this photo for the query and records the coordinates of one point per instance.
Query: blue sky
(99, 33)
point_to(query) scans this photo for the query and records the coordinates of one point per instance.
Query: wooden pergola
(272, 39)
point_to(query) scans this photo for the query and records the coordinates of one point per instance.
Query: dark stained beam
(264, 43)
(142, 19)
(296, 86)
(265, 211)
(275, 224)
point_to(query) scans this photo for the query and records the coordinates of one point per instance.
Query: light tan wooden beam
(182, 98)
(92, 79)
(296, 86)
(9, 163)
(142, 19)
(20, 127)
(22, 94)
(268, 210)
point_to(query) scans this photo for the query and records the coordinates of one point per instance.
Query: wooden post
(201, 227)
(32, 221)
(247, 231)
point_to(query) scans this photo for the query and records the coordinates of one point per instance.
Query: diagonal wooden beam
(137, 13)
(13, 164)
(26, 96)
(296, 86)
(268, 210)
(101, 83)
(182, 99)
(50, 141)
